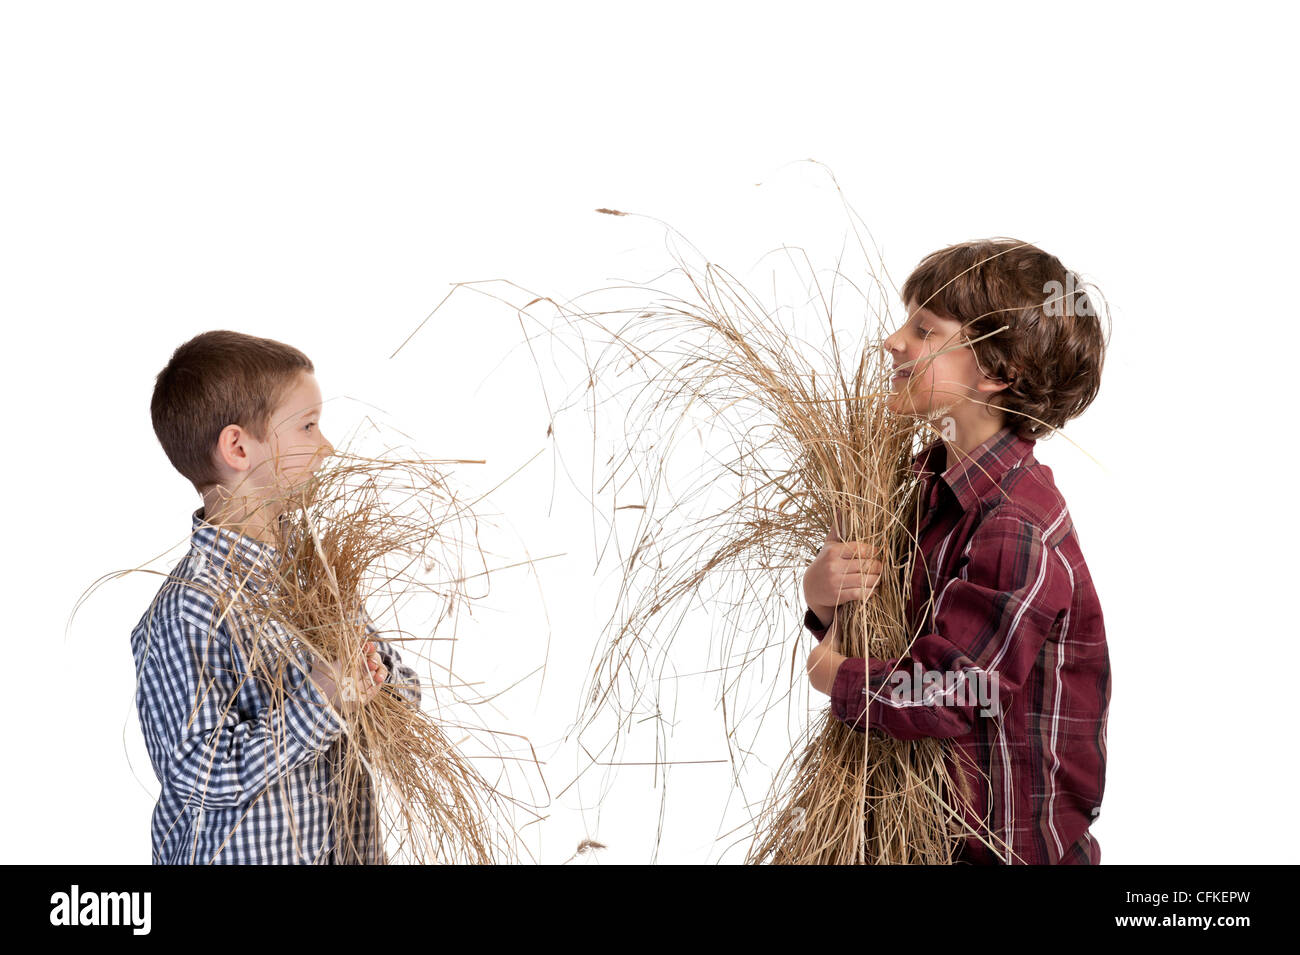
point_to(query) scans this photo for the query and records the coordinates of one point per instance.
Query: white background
(320, 173)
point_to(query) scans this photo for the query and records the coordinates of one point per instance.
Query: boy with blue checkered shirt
(246, 779)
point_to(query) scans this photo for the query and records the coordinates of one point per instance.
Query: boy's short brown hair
(1053, 349)
(217, 379)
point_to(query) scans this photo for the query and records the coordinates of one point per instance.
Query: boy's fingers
(845, 593)
(850, 577)
(859, 550)
(833, 532)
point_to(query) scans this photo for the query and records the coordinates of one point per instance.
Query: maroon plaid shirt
(1013, 602)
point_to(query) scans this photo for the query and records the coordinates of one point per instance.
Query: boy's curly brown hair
(1053, 348)
(217, 379)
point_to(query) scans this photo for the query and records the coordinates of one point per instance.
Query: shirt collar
(977, 475)
(253, 561)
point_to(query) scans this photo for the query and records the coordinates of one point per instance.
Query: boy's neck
(253, 519)
(963, 435)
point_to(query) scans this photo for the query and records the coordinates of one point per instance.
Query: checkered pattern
(1012, 597)
(242, 781)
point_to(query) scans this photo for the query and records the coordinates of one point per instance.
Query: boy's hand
(375, 663)
(824, 661)
(824, 664)
(841, 572)
(352, 689)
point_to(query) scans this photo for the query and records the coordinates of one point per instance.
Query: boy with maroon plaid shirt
(1012, 642)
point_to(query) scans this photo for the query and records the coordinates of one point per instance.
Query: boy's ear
(992, 385)
(230, 449)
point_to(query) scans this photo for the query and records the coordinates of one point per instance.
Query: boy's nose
(324, 451)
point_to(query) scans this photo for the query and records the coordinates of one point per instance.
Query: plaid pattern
(1012, 597)
(242, 781)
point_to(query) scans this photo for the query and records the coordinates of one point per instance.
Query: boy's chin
(900, 403)
(305, 495)
(298, 496)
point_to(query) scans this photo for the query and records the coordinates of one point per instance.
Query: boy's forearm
(857, 688)
(230, 764)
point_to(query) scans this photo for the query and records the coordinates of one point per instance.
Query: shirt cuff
(814, 625)
(848, 698)
(311, 718)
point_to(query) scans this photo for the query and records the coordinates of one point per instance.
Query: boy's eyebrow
(309, 412)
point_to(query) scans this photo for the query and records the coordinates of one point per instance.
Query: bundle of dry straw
(359, 530)
(864, 797)
(787, 434)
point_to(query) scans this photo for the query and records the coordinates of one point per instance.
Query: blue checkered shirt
(242, 781)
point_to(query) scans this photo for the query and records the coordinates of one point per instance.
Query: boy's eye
(923, 332)
(309, 426)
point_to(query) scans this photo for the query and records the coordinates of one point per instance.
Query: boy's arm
(400, 677)
(994, 618)
(199, 742)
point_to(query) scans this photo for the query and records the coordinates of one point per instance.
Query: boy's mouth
(903, 369)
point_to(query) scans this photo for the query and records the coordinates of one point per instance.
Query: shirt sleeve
(202, 746)
(990, 624)
(814, 625)
(400, 677)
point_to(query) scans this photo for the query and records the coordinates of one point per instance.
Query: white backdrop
(320, 173)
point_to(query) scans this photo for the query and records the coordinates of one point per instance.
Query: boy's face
(294, 448)
(931, 386)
